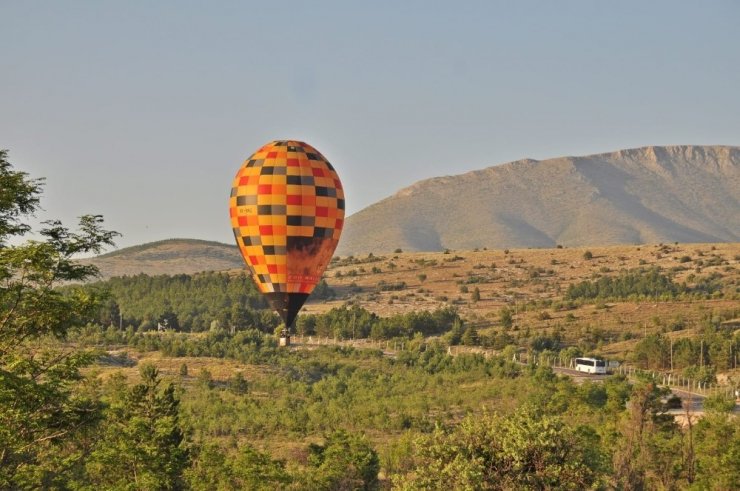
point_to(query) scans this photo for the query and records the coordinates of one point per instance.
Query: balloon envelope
(287, 212)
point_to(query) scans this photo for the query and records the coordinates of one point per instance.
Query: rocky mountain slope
(643, 195)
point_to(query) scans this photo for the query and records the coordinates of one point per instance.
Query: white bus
(590, 365)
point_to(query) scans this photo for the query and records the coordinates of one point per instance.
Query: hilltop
(172, 256)
(644, 195)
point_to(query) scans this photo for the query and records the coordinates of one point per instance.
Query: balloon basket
(284, 338)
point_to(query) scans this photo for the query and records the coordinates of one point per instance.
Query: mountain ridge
(648, 194)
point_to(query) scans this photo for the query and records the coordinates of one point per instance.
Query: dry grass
(521, 276)
(221, 369)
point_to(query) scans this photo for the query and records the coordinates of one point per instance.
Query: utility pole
(701, 353)
(120, 320)
(671, 354)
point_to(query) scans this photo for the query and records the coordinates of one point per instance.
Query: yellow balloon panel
(287, 212)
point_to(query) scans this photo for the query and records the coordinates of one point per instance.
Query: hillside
(644, 195)
(172, 256)
(678, 290)
(532, 283)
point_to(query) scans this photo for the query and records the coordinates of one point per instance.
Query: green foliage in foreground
(524, 450)
(140, 443)
(248, 468)
(45, 406)
(344, 461)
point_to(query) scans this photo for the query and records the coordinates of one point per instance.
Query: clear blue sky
(144, 110)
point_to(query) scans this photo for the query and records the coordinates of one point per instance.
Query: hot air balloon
(287, 212)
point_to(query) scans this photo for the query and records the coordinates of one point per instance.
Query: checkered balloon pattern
(287, 212)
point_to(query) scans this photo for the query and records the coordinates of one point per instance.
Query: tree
(141, 442)
(238, 384)
(456, 333)
(653, 351)
(248, 469)
(475, 297)
(110, 313)
(649, 455)
(470, 337)
(19, 197)
(205, 379)
(47, 409)
(344, 461)
(718, 448)
(257, 470)
(168, 320)
(322, 291)
(306, 325)
(507, 319)
(525, 450)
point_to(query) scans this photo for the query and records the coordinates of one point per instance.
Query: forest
(93, 395)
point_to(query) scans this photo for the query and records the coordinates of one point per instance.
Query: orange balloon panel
(287, 212)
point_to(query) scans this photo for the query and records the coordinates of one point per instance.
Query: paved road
(579, 377)
(696, 400)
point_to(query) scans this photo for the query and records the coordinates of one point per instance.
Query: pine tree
(469, 337)
(142, 442)
(344, 461)
(507, 319)
(238, 384)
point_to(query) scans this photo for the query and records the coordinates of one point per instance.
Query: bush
(386, 287)
(639, 283)
(719, 403)
(525, 450)
(344, 461)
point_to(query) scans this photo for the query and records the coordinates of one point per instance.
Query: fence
(679, 382)
(672, 380)
(386, 346)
